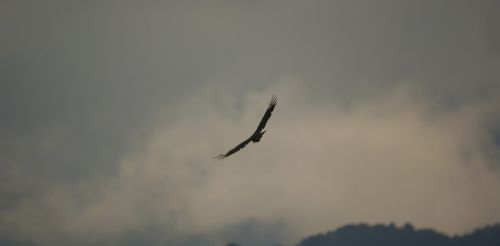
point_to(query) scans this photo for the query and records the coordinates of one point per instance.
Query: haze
(111, 112)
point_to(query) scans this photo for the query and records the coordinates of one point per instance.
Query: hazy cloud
(387, 158)
(111, 112)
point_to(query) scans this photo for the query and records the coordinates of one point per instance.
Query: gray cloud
(112, 110)
(322, 165)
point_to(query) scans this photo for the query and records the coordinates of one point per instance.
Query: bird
(257, 135)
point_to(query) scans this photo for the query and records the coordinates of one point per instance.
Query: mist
(112, 112)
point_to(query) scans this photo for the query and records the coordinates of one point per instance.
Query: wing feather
(234, 150)
(267, 115)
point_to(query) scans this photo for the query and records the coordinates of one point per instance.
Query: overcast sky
(111, 112)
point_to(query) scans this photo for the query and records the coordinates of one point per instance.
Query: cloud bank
(111, 112)
(388, 158)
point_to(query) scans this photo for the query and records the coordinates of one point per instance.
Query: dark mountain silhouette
(390, 235)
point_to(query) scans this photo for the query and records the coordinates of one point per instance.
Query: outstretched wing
(234, 150)
(267, 115)
(261, 126)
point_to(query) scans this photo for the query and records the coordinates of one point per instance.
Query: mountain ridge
(390, 235)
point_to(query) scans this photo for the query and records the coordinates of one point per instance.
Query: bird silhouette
(257, 135)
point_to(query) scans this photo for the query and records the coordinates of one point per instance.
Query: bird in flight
(257, 135)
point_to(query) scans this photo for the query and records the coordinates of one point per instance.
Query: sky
(111, 112)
